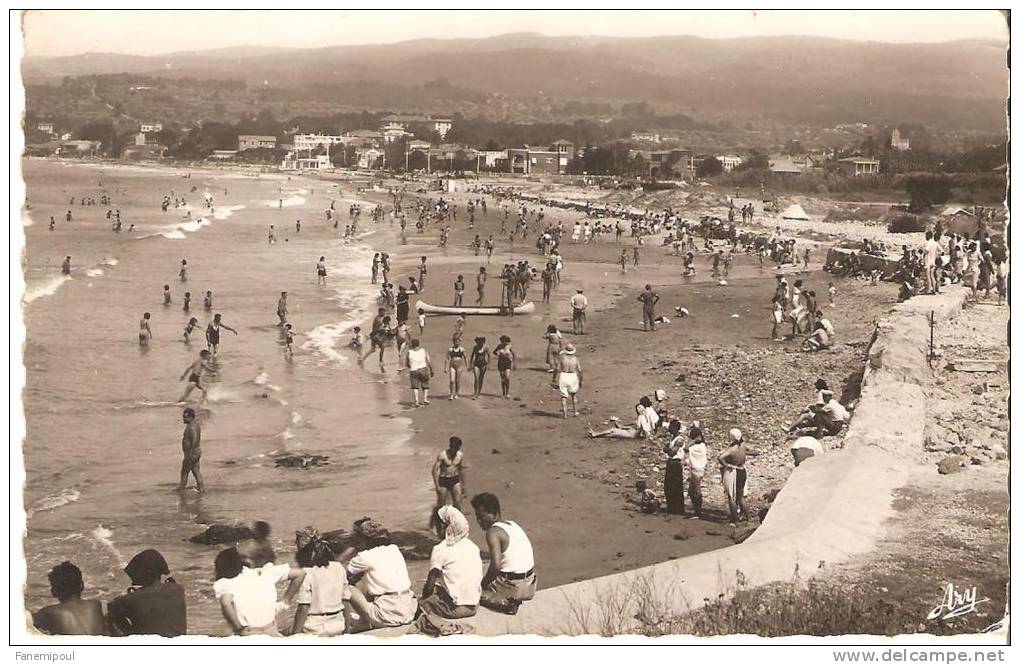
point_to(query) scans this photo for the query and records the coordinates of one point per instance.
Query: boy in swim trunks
(448, 474)
(281, 308)
(191, 445)
(288, 339)
(194, 374)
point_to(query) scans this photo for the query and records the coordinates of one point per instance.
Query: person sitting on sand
(642, 428)
(805, 447)
(70, 615)
(827, 417)
(150, 606)
(453, 588)
(321, 595)
(822, 336)
(510, 578)
(247, 596)
(382, 594)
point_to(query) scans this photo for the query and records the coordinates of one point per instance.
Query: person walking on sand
(623, 261)
(320, 270)
(422, 271)
(458, 291)
(191, 446)
(456, 361)
(212, 332)
(554, 339)
(648, 300)
(420, 364)
(479, 364)
(734, 476)
(697, 462)
(570, 379)
(636, 257)
(482, 277)
(144, 331)
(194, 374)
(506, 362)
(448, 475)
(579, 307)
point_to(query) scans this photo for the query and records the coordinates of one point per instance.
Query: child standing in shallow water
(832, 294)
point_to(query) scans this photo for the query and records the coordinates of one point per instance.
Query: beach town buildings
(309, 163)
(150, 127)
(858, 166)
(252, 141)
(648, 136)
(78, 148)
(898, 141)
(313, 141)
(46, 127)
(730, 162)
(393, 124)
(143, 149)
(792, 164)
(528, 160)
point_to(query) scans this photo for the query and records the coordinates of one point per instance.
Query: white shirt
(518, 557)
(697, 457)
(384, 569)
(254, 593)
(931, 250)
(417, 359)
(578, 301)
(323, 588)
(462, 569)
(836, 410)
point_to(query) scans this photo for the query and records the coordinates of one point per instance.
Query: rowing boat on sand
(526, 308)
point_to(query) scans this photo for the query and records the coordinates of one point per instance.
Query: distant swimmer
(187, 301)
(184, 270)
(207, 302)
(281, 308)
(191, 446)
(144, 332)
(212, 332)
(190, 328)
(69, 217)
(288, 339)
(53, 224)
(320, 269)
(167, 301)
(272, 234)
(65, 267)
(194, 375)
(297, 226)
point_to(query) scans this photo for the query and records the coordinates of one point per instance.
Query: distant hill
(961, 84)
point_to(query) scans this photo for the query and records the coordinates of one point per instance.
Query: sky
(72, 32)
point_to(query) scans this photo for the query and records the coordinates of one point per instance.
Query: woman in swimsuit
(552, 351)
(320, 269)
(506, 361)
(383, 338)
(479, 363)
(456, 360)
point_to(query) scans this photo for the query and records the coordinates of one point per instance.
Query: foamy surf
(288, 202)
(179, 231)
(54, 501)
(222, 212)
(47, 288)
(94, 272)
(104, 537)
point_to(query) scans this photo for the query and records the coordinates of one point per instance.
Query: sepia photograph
(741, 278)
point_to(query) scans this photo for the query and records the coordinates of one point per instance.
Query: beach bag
(436, 627)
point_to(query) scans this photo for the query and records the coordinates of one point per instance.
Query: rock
(681, 536)
(740, 535)
(977, 389)
(951, 464)
(221, 534)
(495, 451)
(999, 451)
(977, 461)
(714, 532)
(415, 546)
(300, 460)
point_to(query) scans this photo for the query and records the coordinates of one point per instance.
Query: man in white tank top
(510, 578)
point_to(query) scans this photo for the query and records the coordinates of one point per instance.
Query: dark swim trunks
(449, 482)
(195, 378)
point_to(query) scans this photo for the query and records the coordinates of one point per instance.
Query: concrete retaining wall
(885, 262)
(831, 509)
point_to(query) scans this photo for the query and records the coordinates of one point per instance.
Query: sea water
(102, 452)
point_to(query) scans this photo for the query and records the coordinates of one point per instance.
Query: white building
(150, 127)
(408, 122)
(898, 141)
(316, 163)
(729, 162)
(45, 127)
(312, 141)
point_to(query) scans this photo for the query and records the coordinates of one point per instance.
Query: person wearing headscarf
(454, 584)
(320, 597)
(734, 475)
(151, 605)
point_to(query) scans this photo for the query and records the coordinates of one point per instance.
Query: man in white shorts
(570, 377)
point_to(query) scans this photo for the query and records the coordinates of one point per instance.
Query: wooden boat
(525, 308)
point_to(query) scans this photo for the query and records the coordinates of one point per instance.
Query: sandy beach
(574, 495)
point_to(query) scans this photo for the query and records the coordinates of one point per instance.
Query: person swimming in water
(194, 374)
(190, 328)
